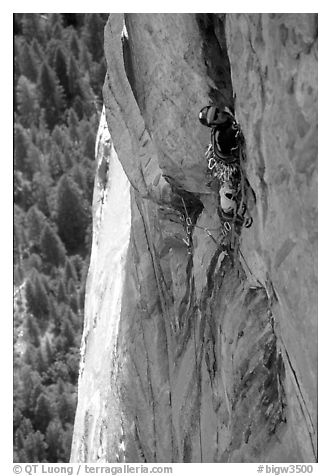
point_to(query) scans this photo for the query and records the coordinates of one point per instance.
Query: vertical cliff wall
(203, 349)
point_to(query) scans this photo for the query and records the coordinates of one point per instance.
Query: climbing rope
(224, 229)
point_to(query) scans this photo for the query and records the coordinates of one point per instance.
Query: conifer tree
(81, 297)
(27, 62)
(33, 27)
(57, 30)
(25, 428)
(87, 131)
(89, 145)
(21, 145)
(60, 67)
(31, 388)
(73, 365)
(35, 220)
(32, 330)
(30, 355)
(19, 235)
(88, 97)
(18, 275)
(98, 73)
(72, 214)
(68, 334)
(34, 162)
(37, 50)
(65, 408)
(70, 317)
(48, 352)
(71, 288)
(61, 292)
(34, 262)
(93, 35)
(42, 413)
(85, 59)
(73, 79)
(41, 185)
(78, 263)
(51, 95)
(60, 386)
(55, 161)
(41, 364)
(35, 447)
(40, 132)
(22, 191)
(19, 443)
(67, 440)
(67, 160)
(73, 124)
(89, 177)
(54, 440)
(37, 300)
(17, 71)
(60, 137)
(27, 101)
(78, 106)
(70, 272)
(50, 52)
(74, 303)
(52, 247)
(55, 312)
(74, 44)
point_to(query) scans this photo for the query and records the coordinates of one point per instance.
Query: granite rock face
(202, 348)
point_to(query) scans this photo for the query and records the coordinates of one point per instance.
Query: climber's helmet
(212, 116)
(208, 115)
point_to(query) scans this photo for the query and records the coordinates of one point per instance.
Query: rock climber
(223, 157)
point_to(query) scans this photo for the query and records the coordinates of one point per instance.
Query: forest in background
(59, 70)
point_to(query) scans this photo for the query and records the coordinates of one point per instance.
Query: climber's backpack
(225, 132)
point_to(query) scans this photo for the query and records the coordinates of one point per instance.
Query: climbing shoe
(228, 201)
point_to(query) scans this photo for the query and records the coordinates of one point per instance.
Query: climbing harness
(220, 170)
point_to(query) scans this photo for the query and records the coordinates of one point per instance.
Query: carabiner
(188, 221)
(227, 226)
(210, 149)
(211, 163)
(248, 222)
